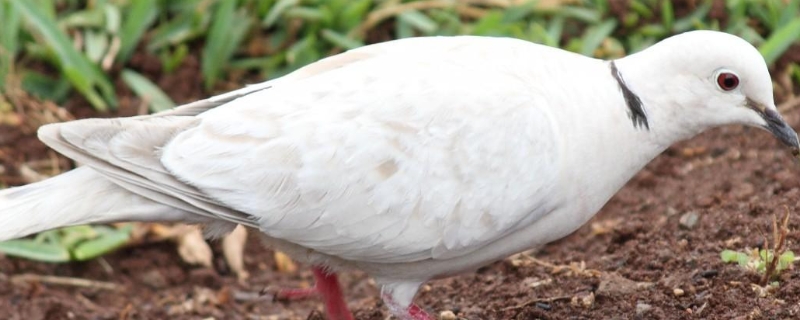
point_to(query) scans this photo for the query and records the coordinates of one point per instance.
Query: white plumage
(411, 159)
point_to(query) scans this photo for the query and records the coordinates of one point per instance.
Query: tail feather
(80, 196)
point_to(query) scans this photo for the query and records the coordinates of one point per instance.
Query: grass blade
(9, 40)
(138, 17)
(96, 247)
(555, 29)
(667, 14)
(340, 40)
(353, 14)
(595, 35)
(180, 29)
(582, 14)
(44, 87)
(309, 15)
(95, 44)
(73, 235)
(277, 11)
(85, 76)
(779, 41)
(419, 21)
(518, 13)
(227, 32)
(171, 59)
(687, 22)
(147, 90)
(789, 13)
(91, 18)
(113, 18)
(28, 249)
(303, 52)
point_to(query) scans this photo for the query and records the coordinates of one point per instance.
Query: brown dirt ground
(733, 179)
(636, 251)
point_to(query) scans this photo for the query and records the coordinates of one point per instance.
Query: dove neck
(669, 100)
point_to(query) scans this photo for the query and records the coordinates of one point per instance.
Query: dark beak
(780, 129)
(777, 126)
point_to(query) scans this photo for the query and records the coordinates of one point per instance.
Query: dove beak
(780, 129)
(775, 124)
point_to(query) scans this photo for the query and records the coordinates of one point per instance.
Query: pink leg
(412, 312)
(296, 294)
(326, 286)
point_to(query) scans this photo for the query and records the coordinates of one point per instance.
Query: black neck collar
(635, 108)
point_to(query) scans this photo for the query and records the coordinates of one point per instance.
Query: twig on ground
(86, 302)
(572, 268)
(535, 301)
(789, 104)
(111, 54)
(126, 312)
(66, 281)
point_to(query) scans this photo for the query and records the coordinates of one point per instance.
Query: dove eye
(727, 81)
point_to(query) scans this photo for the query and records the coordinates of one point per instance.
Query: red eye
(727, 81)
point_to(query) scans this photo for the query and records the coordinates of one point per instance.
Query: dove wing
(126, 150)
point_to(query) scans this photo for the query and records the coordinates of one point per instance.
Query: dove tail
(80, 196)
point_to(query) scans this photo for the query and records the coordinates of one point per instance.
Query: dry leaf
(30, 175)
(284, 263)
(192, 247)
(233, 250)
(162, 232)
(604, 226)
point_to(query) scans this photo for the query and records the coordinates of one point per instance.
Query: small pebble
(544, 306)
(709, 273)
(733, 154)
(585, 300)
(153, 279)
(531, 282)
(705, 201)
(689, 220)
(677, 292)
(642, 308)
(447, 315)
(743, 190)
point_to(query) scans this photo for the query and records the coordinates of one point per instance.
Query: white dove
(410, 160)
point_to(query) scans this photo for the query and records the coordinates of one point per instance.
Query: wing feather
(96, 142)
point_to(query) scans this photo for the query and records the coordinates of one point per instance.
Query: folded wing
(393, 155)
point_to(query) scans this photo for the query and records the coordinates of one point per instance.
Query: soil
(653, 252)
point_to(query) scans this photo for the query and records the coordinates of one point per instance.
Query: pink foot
(327, 287)
(295, 294)
(416, 313)
(411, 312)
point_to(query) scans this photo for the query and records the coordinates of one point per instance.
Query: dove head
(702, 79)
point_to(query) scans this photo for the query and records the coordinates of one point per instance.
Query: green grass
(90, 43)
(77, 243)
